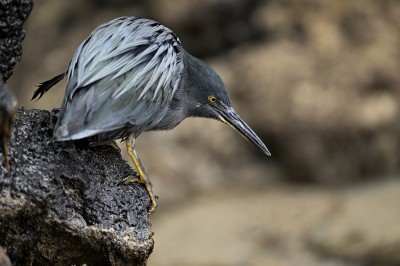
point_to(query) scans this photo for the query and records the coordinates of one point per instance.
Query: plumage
(132, 75)
(132, 65)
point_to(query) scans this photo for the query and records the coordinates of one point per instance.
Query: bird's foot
(129, 180)
(110, 143)
(148, 187)
(143, 177)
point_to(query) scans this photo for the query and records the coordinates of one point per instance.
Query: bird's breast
(175, 114)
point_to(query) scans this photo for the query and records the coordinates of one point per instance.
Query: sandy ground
(282, 224)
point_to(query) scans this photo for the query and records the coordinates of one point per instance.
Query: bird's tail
(46, 85)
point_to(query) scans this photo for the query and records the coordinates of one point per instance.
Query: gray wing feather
(125, 73)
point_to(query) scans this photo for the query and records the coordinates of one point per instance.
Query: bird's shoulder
(125, 72)
(139, 49)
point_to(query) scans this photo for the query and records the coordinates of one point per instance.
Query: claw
(129, 180)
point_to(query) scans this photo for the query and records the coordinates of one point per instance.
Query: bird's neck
(195, 79)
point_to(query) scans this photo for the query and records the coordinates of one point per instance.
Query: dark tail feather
(46, 85)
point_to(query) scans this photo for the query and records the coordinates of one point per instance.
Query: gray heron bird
(132, 75)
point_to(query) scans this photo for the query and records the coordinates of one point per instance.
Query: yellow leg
(143, 178)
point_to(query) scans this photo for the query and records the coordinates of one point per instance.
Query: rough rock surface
(62, 203)
(13, 14)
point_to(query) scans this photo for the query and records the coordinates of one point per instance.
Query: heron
(132, 75)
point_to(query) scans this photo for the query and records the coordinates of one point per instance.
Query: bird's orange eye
(212, 99)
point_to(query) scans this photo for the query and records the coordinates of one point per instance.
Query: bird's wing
(124, 74)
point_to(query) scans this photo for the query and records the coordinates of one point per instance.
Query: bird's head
(208, 97)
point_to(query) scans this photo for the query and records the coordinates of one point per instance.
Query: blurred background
(319, 81)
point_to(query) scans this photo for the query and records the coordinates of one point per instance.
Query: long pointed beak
(228, 116)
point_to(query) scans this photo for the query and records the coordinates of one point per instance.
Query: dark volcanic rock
(62, 203)
(13, 14)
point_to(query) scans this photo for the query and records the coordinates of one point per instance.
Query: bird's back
(121, 79)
